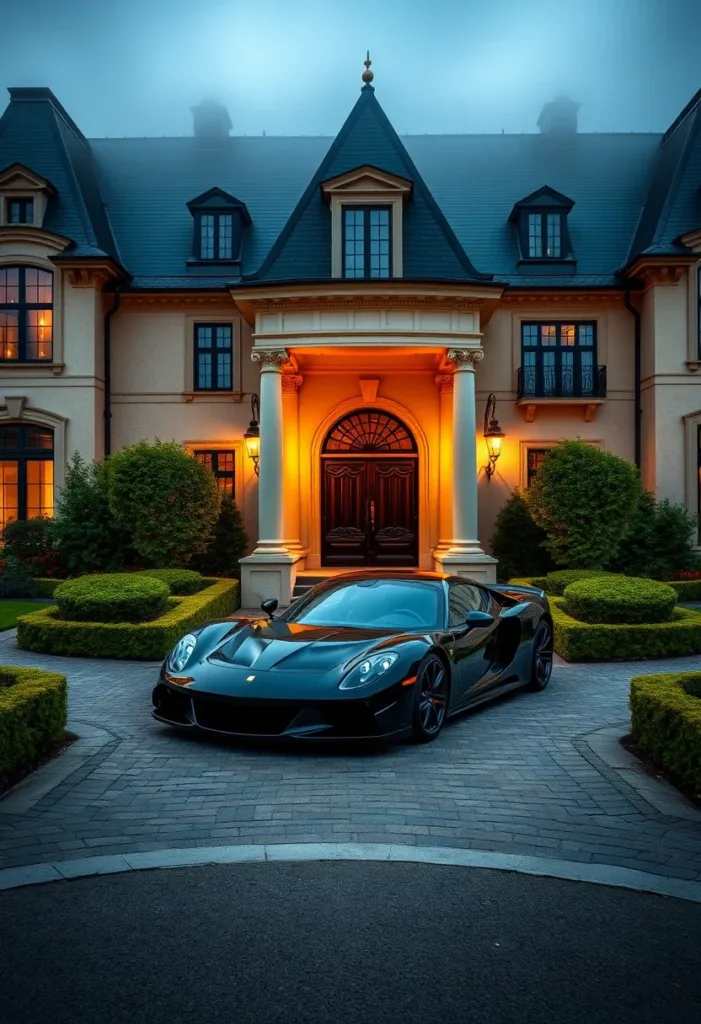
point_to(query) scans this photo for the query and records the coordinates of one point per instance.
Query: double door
(369, 511)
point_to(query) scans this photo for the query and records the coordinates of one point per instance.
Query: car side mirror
(478, 620)
(269, 606)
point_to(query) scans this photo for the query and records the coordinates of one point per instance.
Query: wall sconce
(493, 435)
(252, 435)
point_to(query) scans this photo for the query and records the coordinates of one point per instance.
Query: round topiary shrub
(620, 599)
(555, 582)
(115, 597)
(181, 582)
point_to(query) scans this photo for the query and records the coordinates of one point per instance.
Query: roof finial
(368, 75)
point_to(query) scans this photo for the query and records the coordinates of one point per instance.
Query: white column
(465, 521)
(444, 382)
(271, 481)
(291, 384)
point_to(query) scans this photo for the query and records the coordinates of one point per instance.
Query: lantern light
(252, 435)
(493, 435)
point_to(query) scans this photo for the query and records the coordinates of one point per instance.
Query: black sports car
(362, 655)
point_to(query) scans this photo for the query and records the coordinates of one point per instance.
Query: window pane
(225, 236)
(204, 336)
(464, 598)
(549, 382)
(9, 286)
(553, 228)
(535, 235)
(534, 457)
(9, 335)
(221, 463)
(205, 458)
(37, 437)
(223, 370)
(224, 336)
(207, 236)
(9, 436)
(354, 257)
(567, 372)
(9, 475)
(379, 242)
(587, 371)
(586, 334)
(20, 211)
(204, 371)
(39, 334)
(548, 334)
(530, 334)
(40, 488)
(567, 334)
(45, 287)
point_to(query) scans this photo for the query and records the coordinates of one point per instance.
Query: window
(223, 465)
(213, 357)
(367, 244)
(26, 314)
(26, 472)
(534, 460)
(20, 211)
(559, 361)
(698, 494)
(545, 228)
(464, 598)
(216, 236)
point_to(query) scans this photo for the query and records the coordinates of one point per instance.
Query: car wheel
(542, 660)
(430, 699)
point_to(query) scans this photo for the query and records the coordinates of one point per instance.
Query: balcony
(583, 386)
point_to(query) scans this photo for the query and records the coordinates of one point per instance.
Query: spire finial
(368, 75)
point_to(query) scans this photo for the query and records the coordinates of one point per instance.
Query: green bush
(46, 587)
(619, 599)
(659, 542)
(584, 641)
(43, 631)
(33, 711)
(584, 499)
(686, 590)
(113, 597)
(15, 581)
(27, 538)
(165, 499)
(180, 582)
(518, 543)
(555, 582)
(228, 543)
(666, 722)
(86, 533)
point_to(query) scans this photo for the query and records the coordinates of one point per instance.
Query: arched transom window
(369, 431)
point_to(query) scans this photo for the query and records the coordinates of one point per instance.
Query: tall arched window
(26, 315)
(26, 471)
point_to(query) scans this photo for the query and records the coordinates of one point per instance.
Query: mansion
(371, 340)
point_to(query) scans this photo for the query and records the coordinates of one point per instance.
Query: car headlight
(369, 670)
(180, 655)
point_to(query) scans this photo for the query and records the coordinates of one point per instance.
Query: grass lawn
(9, 610)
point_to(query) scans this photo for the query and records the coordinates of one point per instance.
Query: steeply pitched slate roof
(36, 131)
(431, 249)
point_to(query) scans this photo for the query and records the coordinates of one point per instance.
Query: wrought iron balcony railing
(562, 382)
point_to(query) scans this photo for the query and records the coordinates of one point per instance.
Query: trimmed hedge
(666, 717)
(33, 711)
(619, 599)
(150, 641)
(686, 590)
(180, 582)
(112, 597)
(585, 641)
(557, 582)
(46, 587)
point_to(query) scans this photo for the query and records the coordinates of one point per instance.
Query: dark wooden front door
(369, 511)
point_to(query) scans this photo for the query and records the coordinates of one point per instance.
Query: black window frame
(220, 474)
(366, 210)
(698, 473)
(580, 387)
(197, 350)
(216, 243)
(484, 602)
(698, 313)
(543, 214)
(22, 308)
(25, 203)
(531, 474)
(22, 454)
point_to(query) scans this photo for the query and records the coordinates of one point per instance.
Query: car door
(472, 650)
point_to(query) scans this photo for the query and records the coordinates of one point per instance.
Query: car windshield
(378, 604)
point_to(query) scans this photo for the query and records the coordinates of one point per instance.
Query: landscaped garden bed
(153, 617)
(666, 725)
(33, 712)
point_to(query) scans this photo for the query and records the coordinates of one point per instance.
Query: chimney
(559, 117)
(210, 120)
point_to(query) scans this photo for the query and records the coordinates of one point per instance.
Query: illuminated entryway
(369, 493)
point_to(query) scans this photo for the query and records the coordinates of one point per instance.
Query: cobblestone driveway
(515, 777)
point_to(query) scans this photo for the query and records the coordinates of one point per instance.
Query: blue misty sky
(135, 67)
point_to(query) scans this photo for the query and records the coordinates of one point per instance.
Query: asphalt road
(342, 943)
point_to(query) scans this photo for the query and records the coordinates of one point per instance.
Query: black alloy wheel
(542, 664)
(430, 699)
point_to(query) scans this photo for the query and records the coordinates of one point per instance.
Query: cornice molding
(177, 300)
(84, 273)
(342, 302)
(563, 298)
(23, 234)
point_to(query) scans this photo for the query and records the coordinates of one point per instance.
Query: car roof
(423, 575)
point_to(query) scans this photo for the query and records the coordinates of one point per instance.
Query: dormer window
(20, 211)
(541, 228)
(219, 222)
(367, 241)
(24, 197)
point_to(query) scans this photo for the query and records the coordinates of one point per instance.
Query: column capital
(444, 382)
(270, 358)
(465, 358)
(291, 383)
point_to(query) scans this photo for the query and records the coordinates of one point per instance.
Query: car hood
(290, 647)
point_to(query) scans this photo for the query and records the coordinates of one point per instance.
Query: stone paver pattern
(516, 776)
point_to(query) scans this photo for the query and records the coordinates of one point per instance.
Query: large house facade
(382, 300)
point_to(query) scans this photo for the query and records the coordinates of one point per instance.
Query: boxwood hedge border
(42, 631)
(687, 590)
(666, 722)
(33, 712)
(583, 641)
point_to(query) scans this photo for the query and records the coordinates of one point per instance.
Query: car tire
(431, 691)
(542, 657)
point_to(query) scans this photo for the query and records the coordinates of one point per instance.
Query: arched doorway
(369, 492)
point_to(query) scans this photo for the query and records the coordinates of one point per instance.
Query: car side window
(464, 598)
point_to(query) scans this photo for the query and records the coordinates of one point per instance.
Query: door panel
(393, 512)
(344, 513)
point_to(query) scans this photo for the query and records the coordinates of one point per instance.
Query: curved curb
(598, 874)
